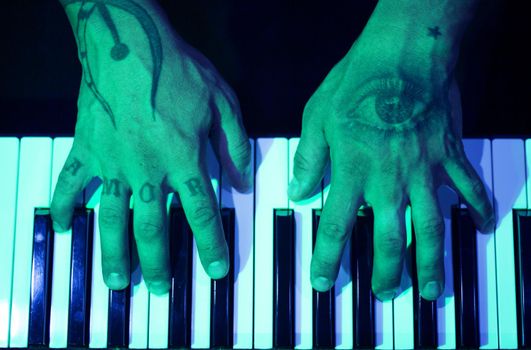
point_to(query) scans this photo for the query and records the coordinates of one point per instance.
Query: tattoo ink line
(194, 186)
(74, 166)
(120, 50)
(111, 187)
(147, 192)
(434, 32)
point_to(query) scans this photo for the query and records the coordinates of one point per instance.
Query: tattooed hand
(390, 121)
(147, 105)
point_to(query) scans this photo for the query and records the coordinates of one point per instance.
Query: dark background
(273, 53)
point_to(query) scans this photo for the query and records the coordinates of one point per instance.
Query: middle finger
(151, 236)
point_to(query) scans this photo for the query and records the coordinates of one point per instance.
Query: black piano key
(41, 279)
(118, 318)
(361, 268)
(181, 280)
(424, 311)
(465, 279)
(284, 279)
(522, 244)
(222, 293)
(80, 279)
(119, 308)
(323, 305)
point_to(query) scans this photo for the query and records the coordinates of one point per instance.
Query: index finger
(201, 209)
(469, 185)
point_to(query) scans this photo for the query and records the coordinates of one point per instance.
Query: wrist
(421, 28)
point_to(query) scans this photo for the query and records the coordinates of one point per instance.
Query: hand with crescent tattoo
(148, 106)
(389, 120)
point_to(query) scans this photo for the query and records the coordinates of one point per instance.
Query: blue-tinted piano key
(181, 280)
(222, 293)
(361, 266)
(324, 334)
(424, 311)
(118, 318)
(522, 245)
(465, 279)
(80, 279)
(119, 307)
(283, 279)
(41, 279)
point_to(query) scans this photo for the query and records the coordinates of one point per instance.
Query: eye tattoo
(120, 50)
(388, 104)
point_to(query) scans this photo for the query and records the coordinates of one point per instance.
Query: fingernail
(490, 225)
(217, 269)
(322, 284)
(387, 295)
(158, 287)
(58, 228)
(293, 187)
(431, 290)
(116, 281)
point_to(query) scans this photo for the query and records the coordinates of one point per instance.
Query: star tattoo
(434, 32)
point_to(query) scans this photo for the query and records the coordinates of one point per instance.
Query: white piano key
(9, 151)
(99, 300)
(271, 193)
(158, 320)
(61, 262)
(343, 289)
(303, 257)
(383, 324)
(403, 319)
(446, 302)
(508, 161)
(243, 204)
(139, 311)
(33, 191)
(201, 281)
(479, 153)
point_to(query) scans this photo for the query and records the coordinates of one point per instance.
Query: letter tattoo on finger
(73, 166)
(111, 187)
(194, 186)
(147, 192)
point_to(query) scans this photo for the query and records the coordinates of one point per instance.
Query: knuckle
(149, 230)
(301, 162)
(430, 267)
(334, 232)
(391, 244)
(477, 188)
(431, 230)
(110, 217)
(114, 259)
(155, 273)
(203, 216)
(242, 152)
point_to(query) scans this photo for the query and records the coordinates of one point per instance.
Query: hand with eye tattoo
(388, 116)
(148, 105)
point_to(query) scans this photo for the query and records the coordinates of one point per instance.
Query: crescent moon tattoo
(120, 50)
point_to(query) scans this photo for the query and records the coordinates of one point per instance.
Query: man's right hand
(148, 104)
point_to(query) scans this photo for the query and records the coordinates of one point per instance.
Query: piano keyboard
(52, 292)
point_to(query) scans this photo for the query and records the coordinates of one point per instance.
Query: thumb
(309, 162)
(230, 142)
